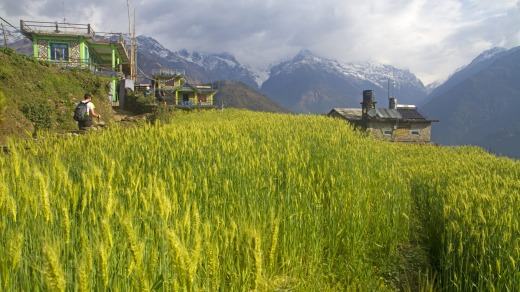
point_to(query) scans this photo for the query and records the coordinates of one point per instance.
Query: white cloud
(430, 38)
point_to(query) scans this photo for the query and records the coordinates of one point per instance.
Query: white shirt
(90, 106)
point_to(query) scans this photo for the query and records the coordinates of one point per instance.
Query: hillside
(239, 95)
(40, 96)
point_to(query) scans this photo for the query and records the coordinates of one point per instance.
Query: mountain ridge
(324, 83)
(477, 105)
(200, 67)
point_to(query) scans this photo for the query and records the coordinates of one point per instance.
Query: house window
(59, 51)
(415, 132)
(387, 132)
(86, 54)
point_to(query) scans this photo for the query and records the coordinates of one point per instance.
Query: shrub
(161, 113)
(40, 114)
(138, 103)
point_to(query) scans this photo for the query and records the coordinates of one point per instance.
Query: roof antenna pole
(393, 78)
(388, 90)
(63, 6)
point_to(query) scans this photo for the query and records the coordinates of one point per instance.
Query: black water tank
(392, 103)
(368, 96)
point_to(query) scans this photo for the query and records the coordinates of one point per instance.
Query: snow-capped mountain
(377, 74)
(432, 86)
(200, 67)
(308, 83)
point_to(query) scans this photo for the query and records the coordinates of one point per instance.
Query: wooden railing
(168, 72)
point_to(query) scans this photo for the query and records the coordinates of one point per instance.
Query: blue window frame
(59, 51)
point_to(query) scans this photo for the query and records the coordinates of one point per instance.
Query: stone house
(397, 123)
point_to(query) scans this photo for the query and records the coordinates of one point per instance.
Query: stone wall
(402, 132)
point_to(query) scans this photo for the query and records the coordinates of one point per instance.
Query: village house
(78, 46)
(397, 123)
(171, 85)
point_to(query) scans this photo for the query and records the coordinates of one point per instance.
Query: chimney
(392, 103)
(368, 102)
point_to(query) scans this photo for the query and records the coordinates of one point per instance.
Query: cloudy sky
(431, 38)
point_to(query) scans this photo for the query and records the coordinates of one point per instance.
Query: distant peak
(305, 53)
(225, 55)
(142, 39)
(306, 56)
(488, 54)
(494, 50)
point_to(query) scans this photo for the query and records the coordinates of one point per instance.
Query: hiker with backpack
(84, 113)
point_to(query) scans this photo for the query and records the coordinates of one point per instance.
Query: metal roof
(384, 113)
(187, 87)
(410, 113)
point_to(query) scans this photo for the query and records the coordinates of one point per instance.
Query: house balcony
(28, 28)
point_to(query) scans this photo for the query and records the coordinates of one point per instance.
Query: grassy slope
(41, 96)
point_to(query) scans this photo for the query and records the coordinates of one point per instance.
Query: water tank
(392, 103)
(368, 96)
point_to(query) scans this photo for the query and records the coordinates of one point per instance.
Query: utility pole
(5, 35)
(131, 45)
(134, 53)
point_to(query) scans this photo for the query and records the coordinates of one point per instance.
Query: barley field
(241, 201)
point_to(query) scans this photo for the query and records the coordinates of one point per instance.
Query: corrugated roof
(381, 113)
(385, 113)
(409, 113)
